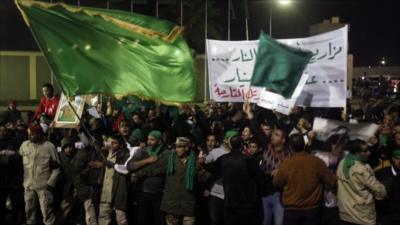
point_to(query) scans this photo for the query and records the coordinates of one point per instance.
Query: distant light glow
(284, 2)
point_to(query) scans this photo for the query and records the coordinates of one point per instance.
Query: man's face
(365, 152)
(136, 119)
(266, 129)
(152, 141)
(253, 148)
(211, 142)
(181, 150)
(33, 136)
(115, 145)
(124, 131)
(246, 133)
(47, 92)
(396, 162)
(2, 132)
(303, 123)
(69, 151)
(277, 137)
(397, 139)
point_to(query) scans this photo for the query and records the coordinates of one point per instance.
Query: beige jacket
(41, 164)
(356, 195)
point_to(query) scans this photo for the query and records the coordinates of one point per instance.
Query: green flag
(278, 67)
(93, 51)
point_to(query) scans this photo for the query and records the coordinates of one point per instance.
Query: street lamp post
(280, 2)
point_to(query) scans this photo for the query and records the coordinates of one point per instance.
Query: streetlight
(283, 3)
(383, 61)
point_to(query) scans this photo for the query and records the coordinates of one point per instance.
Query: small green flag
(100, 51)
(278, 67)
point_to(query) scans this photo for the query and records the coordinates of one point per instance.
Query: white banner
(325, 127)
(231, 64)
(273, 101)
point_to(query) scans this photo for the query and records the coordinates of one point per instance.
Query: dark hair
(296, 142)
(254, 140)
(356, 146)
(118, 138)
(236, 143)
(49, 86)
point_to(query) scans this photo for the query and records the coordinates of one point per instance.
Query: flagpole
(157, 8)
(131, 6)
(205, 50)
(246, 13)
(182, 12)
(108, 4)
(79, 3)
(229, 20)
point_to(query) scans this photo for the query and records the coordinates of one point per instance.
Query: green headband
(229, 134)
(396, 153)
(156, 134)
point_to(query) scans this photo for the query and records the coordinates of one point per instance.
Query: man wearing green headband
(358, 187)
(388, 210)
(149, 198)
(179, 165)
(216, 199)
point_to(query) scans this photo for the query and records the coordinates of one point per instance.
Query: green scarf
(349, 161)
(396, 153)
(190, 169)
(156, 150)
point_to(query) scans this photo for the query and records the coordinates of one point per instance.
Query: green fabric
(349, 161)
(396, 153)
(190, 169)
(156, 134)
(278, 67)
(137, 134)
(229, 134)
(157, 150)
(100, 51)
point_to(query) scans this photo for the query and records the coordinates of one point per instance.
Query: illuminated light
(284, 2)
(88, 47)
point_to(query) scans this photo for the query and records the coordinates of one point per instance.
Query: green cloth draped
(396, 153)
(278, 67)
(190, 168)
(156, 151)
(349, 161)
(102, 51)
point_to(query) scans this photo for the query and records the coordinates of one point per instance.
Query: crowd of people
(223, 163)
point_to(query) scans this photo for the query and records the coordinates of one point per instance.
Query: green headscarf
(396, 153)
(190, 168)
(137, 134)
(229, 134)
(156, 150)
(156, 134)
(349, 161)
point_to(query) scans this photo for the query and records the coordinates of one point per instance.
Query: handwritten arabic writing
(246, 55)
(312, 80)
(242, 92)
(239, 78)
(329, 53)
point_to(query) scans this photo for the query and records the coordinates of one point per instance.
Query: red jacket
(47, 106)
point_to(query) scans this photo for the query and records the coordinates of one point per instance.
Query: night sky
(374, 24)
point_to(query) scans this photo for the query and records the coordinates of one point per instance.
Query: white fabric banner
(231, 64)
(325, 127)
(273, 101)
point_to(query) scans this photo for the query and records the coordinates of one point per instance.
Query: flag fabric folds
(100, 51)
(278, 67)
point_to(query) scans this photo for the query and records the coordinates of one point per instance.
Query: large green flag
(278, 67)
(94, 51)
